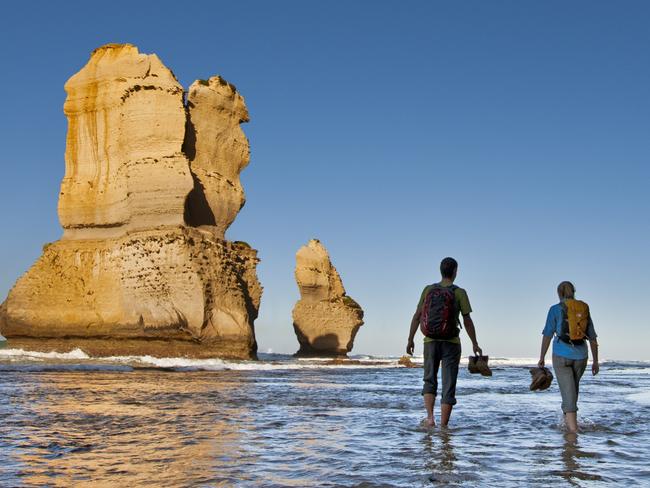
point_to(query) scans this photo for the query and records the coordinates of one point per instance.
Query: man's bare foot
(429, 422)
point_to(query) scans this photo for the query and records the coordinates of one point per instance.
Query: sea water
(71, 420)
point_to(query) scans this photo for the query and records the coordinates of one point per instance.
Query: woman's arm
(593, 343)
(595, 367)
(546, 341)
(547, 335)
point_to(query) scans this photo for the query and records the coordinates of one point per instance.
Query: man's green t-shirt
(462, 306)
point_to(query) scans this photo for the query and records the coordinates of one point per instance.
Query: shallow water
(70, 420)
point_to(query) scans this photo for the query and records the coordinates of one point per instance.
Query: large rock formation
(325, 319)
(151, 184)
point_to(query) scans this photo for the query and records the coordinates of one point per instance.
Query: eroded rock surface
(218, 152)
(124, 166)
(138, 271)
(325, 319)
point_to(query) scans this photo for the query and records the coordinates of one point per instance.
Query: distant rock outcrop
(325, 319)
(150, 187)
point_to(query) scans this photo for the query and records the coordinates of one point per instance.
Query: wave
(75, 360)
(13, 354)
(78, 360)
(54, 367)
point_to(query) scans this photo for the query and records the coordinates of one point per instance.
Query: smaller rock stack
(325, 319)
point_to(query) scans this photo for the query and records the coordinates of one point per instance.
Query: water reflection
(447, 455)
(316, 427)
(85, 429)
(440, 457)
(569, 453)
(573, 472)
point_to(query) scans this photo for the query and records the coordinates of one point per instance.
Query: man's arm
(471, 332)
(415, 322)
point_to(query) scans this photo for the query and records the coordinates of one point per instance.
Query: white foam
(281, 362)
(79, 357)
(173, 363)
(39, 356)
(497, 361)
(220, 365)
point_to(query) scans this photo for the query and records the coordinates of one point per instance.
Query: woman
(569, 357)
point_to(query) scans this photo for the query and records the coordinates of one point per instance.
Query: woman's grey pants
(568, 373)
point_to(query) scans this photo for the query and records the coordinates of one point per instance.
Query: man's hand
(541, 363)
(595, 367)
(477, 350)
(410, 346)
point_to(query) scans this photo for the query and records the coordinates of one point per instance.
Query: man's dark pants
(447, 353)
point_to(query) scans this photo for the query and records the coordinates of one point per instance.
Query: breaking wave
(78, 360)
(22, 360)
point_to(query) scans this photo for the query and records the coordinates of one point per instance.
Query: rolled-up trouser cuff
(447, 355)
(428, 390)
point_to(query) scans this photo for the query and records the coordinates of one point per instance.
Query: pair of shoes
(479, 365)
(541, 378)
(406, 361)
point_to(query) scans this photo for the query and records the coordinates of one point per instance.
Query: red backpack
(439, 317)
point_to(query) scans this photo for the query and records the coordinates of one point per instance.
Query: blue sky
(512, 135)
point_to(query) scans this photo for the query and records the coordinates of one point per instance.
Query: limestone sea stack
(151, 184)
(325, 319)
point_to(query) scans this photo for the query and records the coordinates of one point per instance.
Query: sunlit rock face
(124, 166)
(140, 269)
(218, 151)
(325, 319)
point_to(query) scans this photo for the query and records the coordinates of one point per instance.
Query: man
(442, 342)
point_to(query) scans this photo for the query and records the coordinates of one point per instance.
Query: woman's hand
(546, 341)
(595, 368)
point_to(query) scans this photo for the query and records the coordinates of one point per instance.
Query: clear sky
(512, 135)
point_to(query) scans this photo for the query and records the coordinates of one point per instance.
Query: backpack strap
(458, 321)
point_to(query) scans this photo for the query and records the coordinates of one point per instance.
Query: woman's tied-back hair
(566, 290)
(448, 267)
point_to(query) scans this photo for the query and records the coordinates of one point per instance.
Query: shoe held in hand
(479, 365)
(541, 378)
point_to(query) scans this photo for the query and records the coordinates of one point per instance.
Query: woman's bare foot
(571, 422)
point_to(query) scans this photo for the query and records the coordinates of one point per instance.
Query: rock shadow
(326, 345)
(197, 209)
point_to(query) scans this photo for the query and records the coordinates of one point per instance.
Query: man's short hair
(448, 267)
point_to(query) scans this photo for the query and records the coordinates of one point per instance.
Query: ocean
(71, 420)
